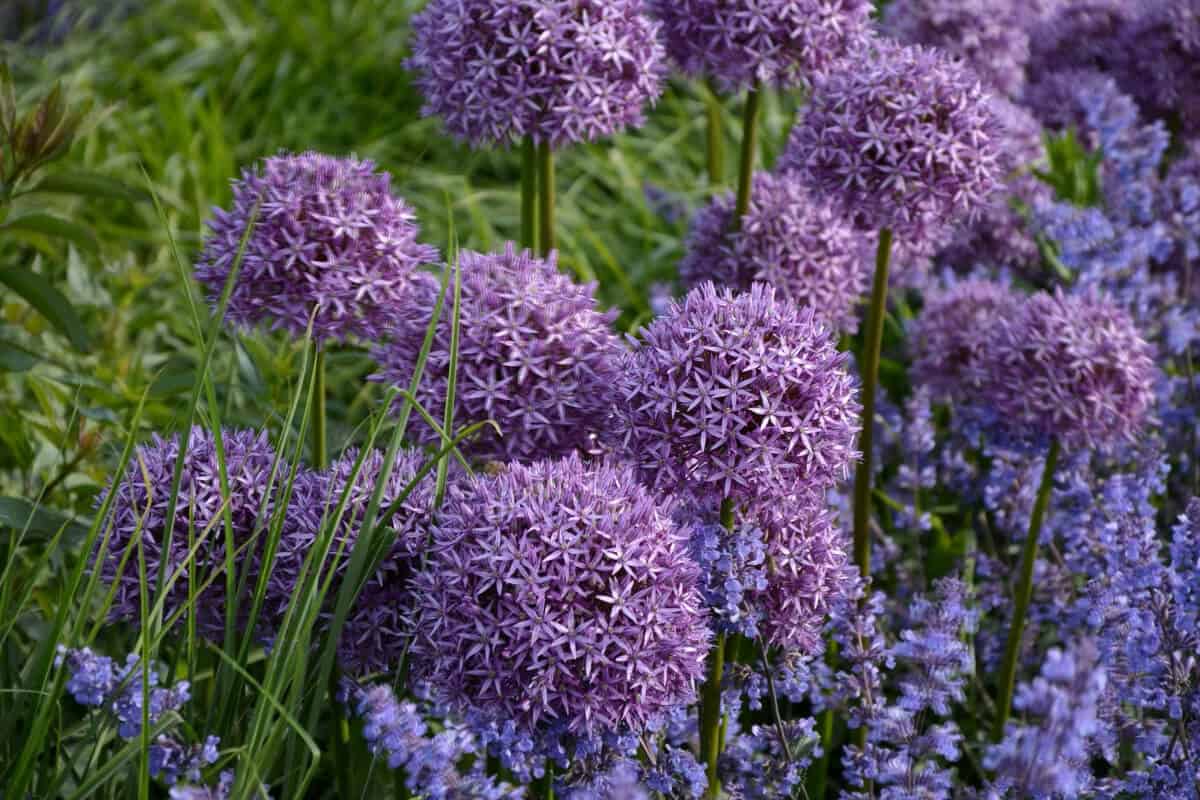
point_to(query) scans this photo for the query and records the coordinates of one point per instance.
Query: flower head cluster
(328, 241)
(1179, 206)
(737, 395)
(1079, 34)
(743, 42)
(559, 71)
(1071, 366)
(787, 239)
(1165, 76)
(904, 138)
(220, 791)
(986, 34)
(535, 355)
(734, 563)
(559, 596)
(140, 510)
(1048, 757)
(953, 337)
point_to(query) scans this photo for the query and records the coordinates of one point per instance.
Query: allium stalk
(716, 136)
(320, 442)
(872, 345)
(1012, 650)
(710, 696)
(749, 150)
(545, 167)
(529, 179)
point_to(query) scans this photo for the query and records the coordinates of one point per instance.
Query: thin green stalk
(716, 136)
(320, 444)
(750, 117)
(1012, 650)
(870, 376)
(543, 789)
(710, 694)
(546, 236)
(529, 178)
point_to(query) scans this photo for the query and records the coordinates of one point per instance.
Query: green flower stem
(543, 789)
(529, 180)
(716, 136)
(749, 152)
(870, 375)
(545, 158)
(320, 446)
(710, 694)
(1012, 650)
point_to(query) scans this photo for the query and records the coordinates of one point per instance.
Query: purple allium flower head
(1079, 35)
(140, 508)
(560, 71)
(780, 42)
(535, 355)
(1071, 366)
(952, 337)
(737, 396)
(786, 239)
(986, 34)
(1165, 76)
(902, 138)
(375, 633)
(559, 595)
(329, 236)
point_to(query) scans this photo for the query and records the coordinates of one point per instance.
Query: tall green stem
(710, 694)
(870, 376)
(528, 194)
(320, 446)
(544, 788)
(716, 136)
(545, 158)
(1012, 650)
(749, 152)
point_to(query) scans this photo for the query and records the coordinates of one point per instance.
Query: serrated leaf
(88, 184)
(49, 302)
(50, 225)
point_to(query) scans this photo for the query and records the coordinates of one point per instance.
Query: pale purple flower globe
(375, 634)
(986, 34)
(559, 71)
(737, 395)
(779, 42)
(536, 355)
(954, 334)
(787, 239)
(562, 597)
(1080, 35)
(1164, 76)
(140, 508)
(1073, 367)
(329, 237)
(900, 137)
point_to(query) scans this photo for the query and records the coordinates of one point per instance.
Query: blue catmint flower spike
(557, 71)
(330, 238)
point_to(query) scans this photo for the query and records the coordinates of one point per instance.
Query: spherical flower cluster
(737, 395)
(140, 509)
(1165, 76)
(780, 42)
(375, 634)
(903, 138)
(1080, 34)
(330, 242)
(535, 355)
(559, 71)
(953, 337)
(986, 34)
(786, 239)
(1073, 367)
(560, 596)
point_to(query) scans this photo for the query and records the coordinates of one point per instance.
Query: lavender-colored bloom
(1179, 209)
(952, 338)
(559, 71)
(755, 766)
(986, 34)
(218, 792)
(780, 42)
(1080, 35)
(902, 138)
(93, 677)
(1070, 366)
(559, 595)
(329, 237)
(787, 239)
(535, 355)
(171, 759)
(140, 508)
(737, 395)
(733, 563)
(1165, 76)
(1048, 755)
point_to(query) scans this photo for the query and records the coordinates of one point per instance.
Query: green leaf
(88, 184)
(49, 302)
(38, 522)
(50, 225)
(15, 359)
